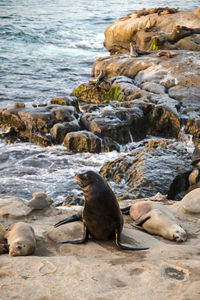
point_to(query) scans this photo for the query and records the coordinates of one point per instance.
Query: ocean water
(46, 49)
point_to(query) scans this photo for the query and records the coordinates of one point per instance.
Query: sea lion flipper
(125, 210)
(77, 241)
(142, 219)
(138, 227)
(126, 246)
(68, 220)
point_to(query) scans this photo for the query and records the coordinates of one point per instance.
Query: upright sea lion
(156, 219)
(21, 239)
(102, 217)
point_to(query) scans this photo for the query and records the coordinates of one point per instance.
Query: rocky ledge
(98, 269)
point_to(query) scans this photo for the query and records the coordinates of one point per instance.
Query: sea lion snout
(180, 235)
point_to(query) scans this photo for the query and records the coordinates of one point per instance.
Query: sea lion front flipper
(77, 241)
(125, 210)
(73, 218)
(142, 219)
(126, 246)
(138, 227)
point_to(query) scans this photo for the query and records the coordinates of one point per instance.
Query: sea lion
(21, 239)
(191, 201)
(156, 219)
(102, 217)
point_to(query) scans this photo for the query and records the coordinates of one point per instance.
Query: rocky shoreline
(152, 91)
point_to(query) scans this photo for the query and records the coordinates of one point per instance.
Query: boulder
(153, 30)
(160, 166)
(13, 208)
(82, 141)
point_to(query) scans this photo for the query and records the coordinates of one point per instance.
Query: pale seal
(21, 239)
(156, 219)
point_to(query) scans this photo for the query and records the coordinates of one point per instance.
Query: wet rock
(34, 124)
(67, 100)
(153, 87)
(193, 127)
(150, 170)
(59, 130)
(92, 93)
(82, 141)
(153, 31)
(110, 145)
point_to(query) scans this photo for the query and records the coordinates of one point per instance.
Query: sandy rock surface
(98, 269)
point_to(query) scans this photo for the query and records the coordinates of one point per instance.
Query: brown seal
(102, 217)
(21, 239)
(156, 219)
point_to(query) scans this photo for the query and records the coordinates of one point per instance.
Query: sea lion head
(20, 248)
(88, 178)
(92, 185)
(179, 234)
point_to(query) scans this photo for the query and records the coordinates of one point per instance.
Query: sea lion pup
(156, 219)
(21, 239)
(102, 217)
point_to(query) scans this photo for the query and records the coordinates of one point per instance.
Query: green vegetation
(153, 46)
(113, 94)
(76, 91)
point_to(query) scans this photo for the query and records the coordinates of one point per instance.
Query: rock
(98, 267)
(161, 166)
(153, 87)
(39, 201)
(82, 141)
(191, 202)
(35, 124)
(59, 130)
(13, 208)
(180, 86)
(2, 232)
(153, 31)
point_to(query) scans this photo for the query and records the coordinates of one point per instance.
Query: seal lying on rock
(21, 239)
(191, 202)
(102, 217)
(156, 219)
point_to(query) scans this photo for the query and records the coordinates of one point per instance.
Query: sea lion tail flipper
(125, 210)
(68, 220)
(77, 241)
(126, 246)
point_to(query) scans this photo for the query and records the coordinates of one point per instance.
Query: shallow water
(46, 49)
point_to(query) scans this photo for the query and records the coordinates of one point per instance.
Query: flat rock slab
(99, 270)
(13, 208)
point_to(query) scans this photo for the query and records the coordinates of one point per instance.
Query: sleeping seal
(156, 219)
(21, 239)
(102, 217)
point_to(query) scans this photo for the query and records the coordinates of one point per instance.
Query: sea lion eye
(19, 247)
